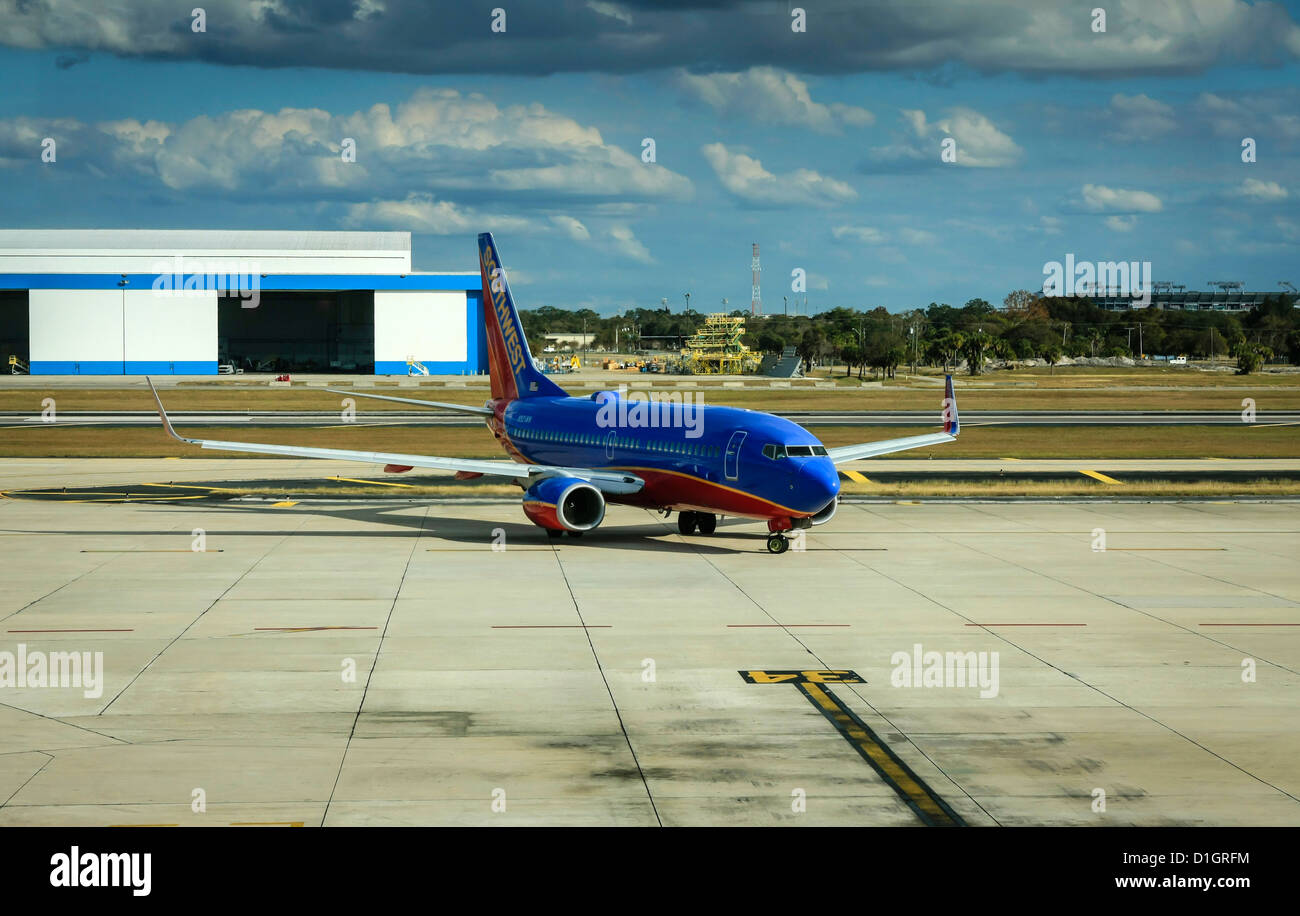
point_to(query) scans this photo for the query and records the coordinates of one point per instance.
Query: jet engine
(827, 512)
(564, 504)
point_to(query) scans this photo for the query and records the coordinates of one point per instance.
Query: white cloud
(1262, 191)
(917, 236)
(1098, 197)
(979, 143)
(1121, 223)
(627, 244)
(612, 10)
(1049, 225)
(419, 212)
(771, 96)
(572, 227)
(871, 236)
(438, 140)
(1138, 117)
(746, 178)
(866, 234)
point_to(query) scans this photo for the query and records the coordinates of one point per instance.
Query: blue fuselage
(725, 460)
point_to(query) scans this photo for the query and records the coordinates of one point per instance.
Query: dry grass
(1084, 443)
(1068, 390)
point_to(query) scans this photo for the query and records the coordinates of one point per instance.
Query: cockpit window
(774, 451)
(802, 451)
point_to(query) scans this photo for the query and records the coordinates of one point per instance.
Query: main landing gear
(688, 522)
(777, 543)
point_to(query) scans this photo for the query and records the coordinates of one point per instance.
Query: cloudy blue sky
(823, 145)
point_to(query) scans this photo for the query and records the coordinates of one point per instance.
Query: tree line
(1028, 326)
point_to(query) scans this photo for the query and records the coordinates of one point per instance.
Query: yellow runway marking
(378, 483)
(283, 504)
(1097, 475)
(923, 801)
(857, 476)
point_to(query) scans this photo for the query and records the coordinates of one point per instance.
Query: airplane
(573, 455)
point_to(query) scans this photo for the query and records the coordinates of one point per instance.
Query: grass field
(1211, 392)
(1084, 443)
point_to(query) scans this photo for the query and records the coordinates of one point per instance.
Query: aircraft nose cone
(818, 483)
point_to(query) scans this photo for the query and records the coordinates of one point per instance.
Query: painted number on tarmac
(843, 676)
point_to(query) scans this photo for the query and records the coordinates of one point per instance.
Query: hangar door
(14, 330)
(299, 332)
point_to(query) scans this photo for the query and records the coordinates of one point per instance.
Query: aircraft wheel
(686, 522)
(776, 543)
(707, 522)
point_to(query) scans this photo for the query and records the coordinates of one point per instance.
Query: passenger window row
(688, 449)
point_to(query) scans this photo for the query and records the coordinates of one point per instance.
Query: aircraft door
(731, 459)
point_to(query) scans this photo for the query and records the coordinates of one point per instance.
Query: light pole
(688, 302)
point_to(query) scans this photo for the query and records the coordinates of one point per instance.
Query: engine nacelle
(564, 504)
(827, 513)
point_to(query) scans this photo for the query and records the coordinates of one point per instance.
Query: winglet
(167, 424)
(951, 422)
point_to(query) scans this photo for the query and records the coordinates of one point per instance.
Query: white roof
(136, 250)
(185, 240)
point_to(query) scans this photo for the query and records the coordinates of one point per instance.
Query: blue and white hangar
(200, 302)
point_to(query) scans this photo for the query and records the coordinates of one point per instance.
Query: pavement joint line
(309, 629)
(889, 752)
(608, 689)
(139, 674)
(49, 758)
(71, 581)
(361, 704)
(1115, 699)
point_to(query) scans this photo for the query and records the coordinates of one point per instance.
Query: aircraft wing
(951, 426)
(607, 481)
(462, 408)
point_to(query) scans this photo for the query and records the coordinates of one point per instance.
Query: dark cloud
(625, 36)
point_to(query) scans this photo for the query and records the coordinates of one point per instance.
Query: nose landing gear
(777, 543)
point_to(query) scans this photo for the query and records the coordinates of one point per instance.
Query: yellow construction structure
(716, 348)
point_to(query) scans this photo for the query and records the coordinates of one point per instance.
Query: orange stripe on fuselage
(678, 500)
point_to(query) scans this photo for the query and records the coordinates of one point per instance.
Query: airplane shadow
(658, 536)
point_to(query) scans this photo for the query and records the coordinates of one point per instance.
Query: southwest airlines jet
(572, 455)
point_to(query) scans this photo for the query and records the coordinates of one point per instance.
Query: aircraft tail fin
(951, 422)
(513, 372)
